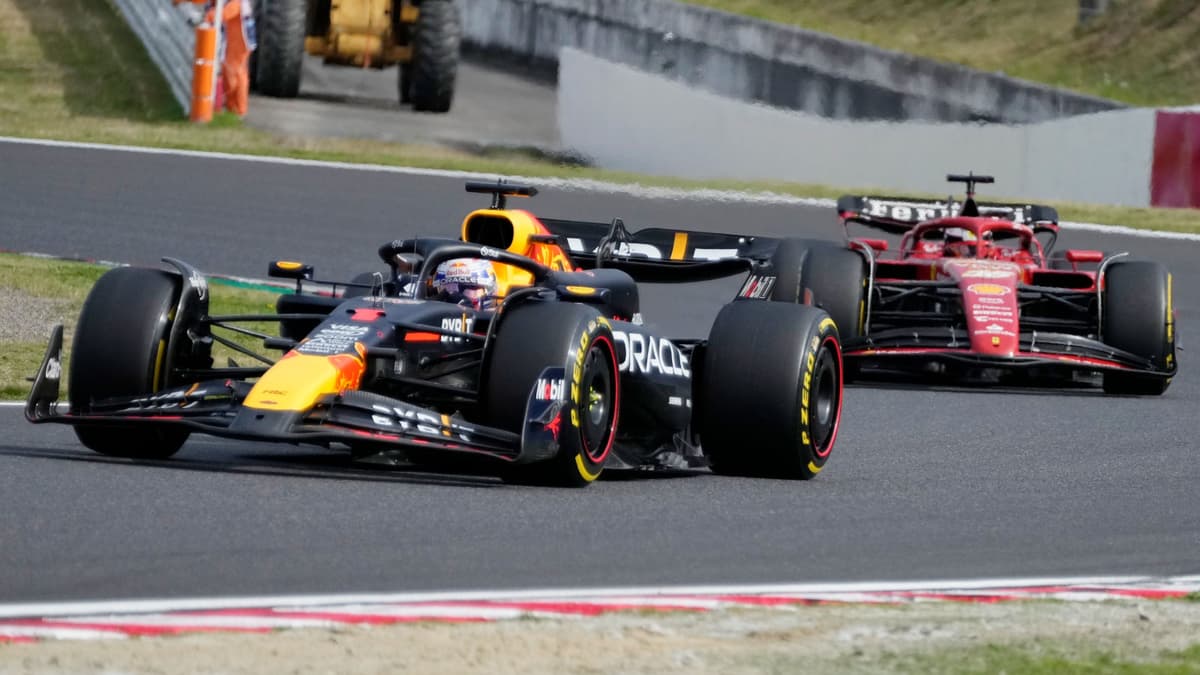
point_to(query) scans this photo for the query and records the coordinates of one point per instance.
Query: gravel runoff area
(915, 637)
(25, 318)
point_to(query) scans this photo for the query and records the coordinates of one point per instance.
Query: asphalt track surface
(924, 484)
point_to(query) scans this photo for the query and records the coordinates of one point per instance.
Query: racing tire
(281, 48)
(532, 337)
(770, 399)
(437, 40)
(1138, 317)
(119, 349)
(833, 276)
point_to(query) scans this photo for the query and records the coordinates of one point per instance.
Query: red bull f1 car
(551, 383)
(976, 291)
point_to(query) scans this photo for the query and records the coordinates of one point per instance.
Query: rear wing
(897, 215)
(658, 254)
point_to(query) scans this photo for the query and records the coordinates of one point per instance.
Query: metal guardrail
(168, 38)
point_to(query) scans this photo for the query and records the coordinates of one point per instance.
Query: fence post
(203, 71)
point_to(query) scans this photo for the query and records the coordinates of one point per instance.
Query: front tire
(770, 398)
(437, 40)
(120, 349)
(538, 335)
(1138, 317)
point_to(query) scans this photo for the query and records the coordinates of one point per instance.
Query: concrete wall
(753, 60)
(625, 119)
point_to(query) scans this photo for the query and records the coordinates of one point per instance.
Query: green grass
(71, 70)
(1143, 52)
(66, 285)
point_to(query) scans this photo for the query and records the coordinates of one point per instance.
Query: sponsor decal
(628, 249)
(549, 389)
(458, 324)
(758, 286)
(398, 301)
(199, 283)
(53, 369)
(989, 289)
(488, 252)
(995, 330)
(991, 301)
(907, 211)
(986, 273)
(647, 354)
(334, 338)
(411, 418)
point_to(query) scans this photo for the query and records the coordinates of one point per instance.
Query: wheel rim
(598, 403)
(825, 400)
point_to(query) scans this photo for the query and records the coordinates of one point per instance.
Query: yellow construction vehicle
(422, 37)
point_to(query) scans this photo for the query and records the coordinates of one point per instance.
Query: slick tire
(833, 276)
(532, 337)
(119, 349)
(280, 53)
(437, 40)
(770, 395)
(1138, 317)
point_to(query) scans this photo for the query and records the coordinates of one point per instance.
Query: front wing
(215, 407)
(1044, 350)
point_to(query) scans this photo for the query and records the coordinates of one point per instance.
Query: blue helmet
(466, 281)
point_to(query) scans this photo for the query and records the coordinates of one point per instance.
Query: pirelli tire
(280, 53)
(120, 349)
(437, 40)
(1138, 316)
(770, 390)
(531, 337)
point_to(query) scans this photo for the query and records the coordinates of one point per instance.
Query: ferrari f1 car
(975, 290)
(554, 383)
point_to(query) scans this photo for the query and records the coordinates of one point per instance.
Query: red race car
(972, 290)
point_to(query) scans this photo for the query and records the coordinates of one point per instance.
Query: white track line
(582, 184)
(591, 594)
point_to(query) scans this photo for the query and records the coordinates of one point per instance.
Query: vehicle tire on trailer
(770, 390)
(531, 337)
(437, 40)
(119, 349)
(280, 50)
(1138, 317)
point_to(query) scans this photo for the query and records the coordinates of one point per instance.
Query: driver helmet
(466, 281)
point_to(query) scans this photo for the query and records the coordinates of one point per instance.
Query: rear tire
(119, 349)
(281, 47)
(836, 278)
(771, 397)
(437, 40)
(1138, 318)
(531, 338)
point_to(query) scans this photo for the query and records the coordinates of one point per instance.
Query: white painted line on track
(582, 184)
(591, 594)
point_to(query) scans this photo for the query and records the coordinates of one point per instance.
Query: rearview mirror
(286, 269)
(1076, 255)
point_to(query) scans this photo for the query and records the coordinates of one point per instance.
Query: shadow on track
(329, 466)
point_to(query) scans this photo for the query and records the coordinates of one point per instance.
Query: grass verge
(66, 285)
(1141, 52)
(72, 70)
